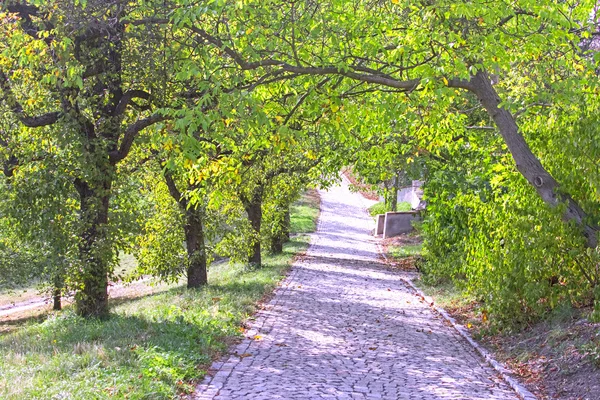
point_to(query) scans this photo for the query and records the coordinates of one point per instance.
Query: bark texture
(56, 300)
(56, 292)
(197, 275)
(92, 299)
(253, 207)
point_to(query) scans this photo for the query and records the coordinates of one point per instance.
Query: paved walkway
(343, 326)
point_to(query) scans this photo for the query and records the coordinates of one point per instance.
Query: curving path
(343, 326)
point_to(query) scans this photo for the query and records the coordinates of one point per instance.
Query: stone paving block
(344, 326)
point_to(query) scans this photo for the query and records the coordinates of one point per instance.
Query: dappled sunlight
(344, 324)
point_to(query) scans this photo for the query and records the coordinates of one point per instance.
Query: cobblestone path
(343, 326)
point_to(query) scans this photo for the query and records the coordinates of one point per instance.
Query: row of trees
(228, 99)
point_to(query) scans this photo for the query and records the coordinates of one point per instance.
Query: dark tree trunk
(253, 208)
(197, 275)
(527, 163)
(283, 234)
(287, 223)
(56, 303)
(394, 194)
(56, 292)
(92, 299)
(194, 238)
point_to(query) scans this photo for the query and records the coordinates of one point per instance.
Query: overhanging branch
(17, 108)
(127, 98)
(131, 133)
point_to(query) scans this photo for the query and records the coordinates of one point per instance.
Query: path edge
(211, 384)
(521, 391)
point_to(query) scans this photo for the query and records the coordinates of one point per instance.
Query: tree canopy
(245, 103)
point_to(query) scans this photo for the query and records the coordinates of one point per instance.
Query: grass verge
(305, 212)
(153, 347)
(381, 208)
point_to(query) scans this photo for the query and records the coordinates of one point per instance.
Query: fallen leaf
(257, 337)
(281, 345)
(216, 299)
(245, 355)
(372, 348)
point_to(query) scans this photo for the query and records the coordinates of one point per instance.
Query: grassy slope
(152, 347)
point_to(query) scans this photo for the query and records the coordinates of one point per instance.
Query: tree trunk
(283, 235)
(92, 299)
(56, 292)
(254, 210)
(194, 238)
(394, 194)
(527, 163)
(56, 305)
(287, 223)
(390, 195)
(197, 275)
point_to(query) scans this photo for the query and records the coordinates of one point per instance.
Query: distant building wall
(413, 195)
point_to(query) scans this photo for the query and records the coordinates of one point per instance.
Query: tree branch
(127, 98)
(374, 78)
(175, 193)
(17, 108)
(131, 133)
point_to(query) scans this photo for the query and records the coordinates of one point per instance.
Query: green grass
(403, 206)
(404, 251)
(445, 294)
(381, 208)
(378, 208)
(304, 213)
(153, 347)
